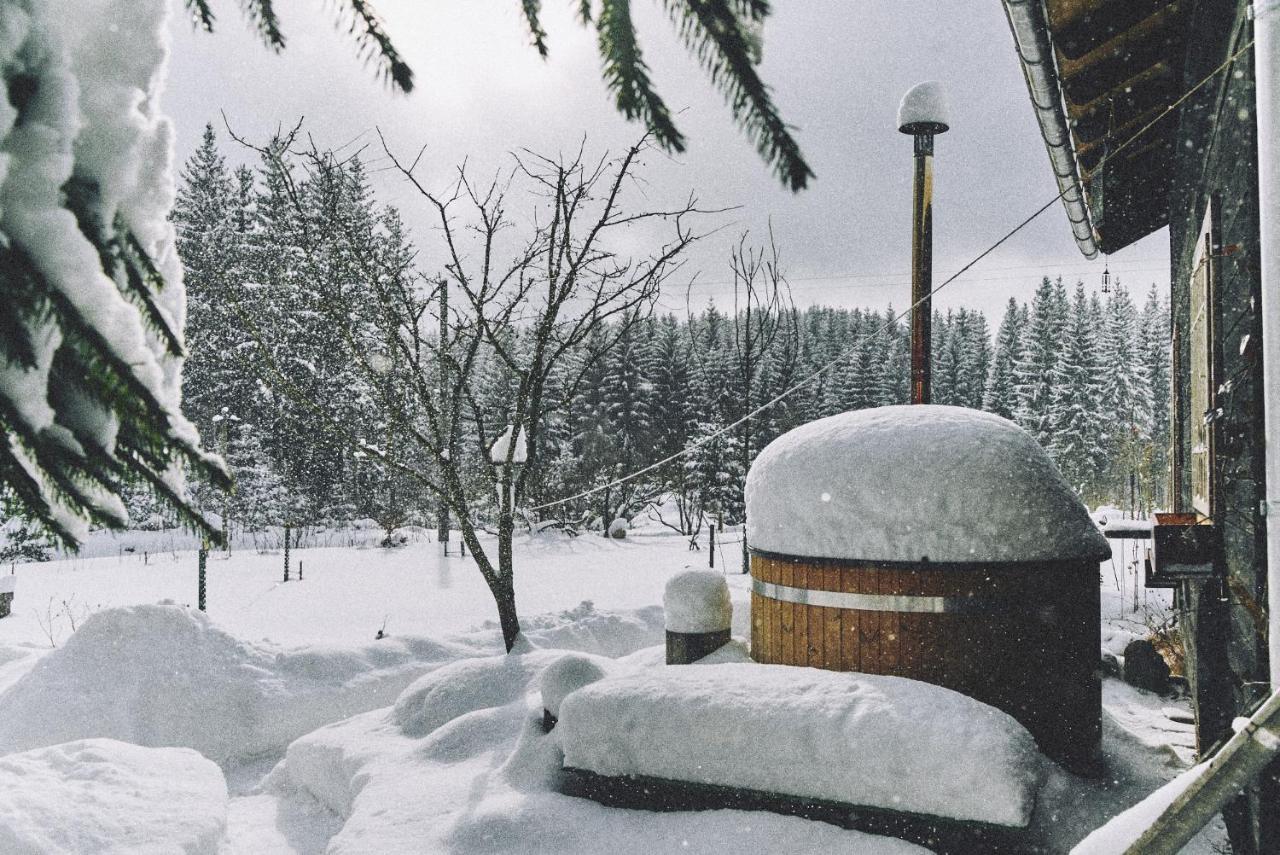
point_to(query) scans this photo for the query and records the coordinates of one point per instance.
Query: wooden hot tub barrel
(1023, 637)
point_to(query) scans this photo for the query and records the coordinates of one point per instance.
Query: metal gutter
(1266, 58)
(1031, 38)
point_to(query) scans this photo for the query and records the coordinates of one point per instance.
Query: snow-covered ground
(426, 740)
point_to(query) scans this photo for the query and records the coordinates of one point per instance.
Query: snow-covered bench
(883, 754)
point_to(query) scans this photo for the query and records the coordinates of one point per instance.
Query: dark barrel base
(942, 835)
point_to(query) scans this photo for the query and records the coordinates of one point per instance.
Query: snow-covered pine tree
(1036, 371)
(1154, 344)
(91, 300)
(974, 357)
(625, 395)
(1078, 445)
(1126, 400)
(946, 359)
(893, 384)
(1001, 393)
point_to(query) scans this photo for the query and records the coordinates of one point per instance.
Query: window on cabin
(1201, 369)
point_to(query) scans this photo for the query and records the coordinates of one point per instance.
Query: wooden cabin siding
(1217, 164)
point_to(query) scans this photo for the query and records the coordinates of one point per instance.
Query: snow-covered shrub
(618, 528)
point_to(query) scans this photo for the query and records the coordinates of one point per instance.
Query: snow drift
(167, 676)
(907, 483)
(111, 798)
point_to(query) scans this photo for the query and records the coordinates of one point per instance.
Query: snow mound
(566, 675)
(590, 630)
(907, 483)
(103, 796)
(697, 601)
(167, 676)
(465, 686)
(873, 741)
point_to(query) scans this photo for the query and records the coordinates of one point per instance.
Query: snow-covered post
(567, 674)
(698, 615)
(286, 551)
(923, 115)
(202, 562)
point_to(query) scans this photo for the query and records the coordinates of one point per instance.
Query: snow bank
(106, 797)
(166, 675)
(697, 601)
(884, 742)
(590, 630)
(912, 482)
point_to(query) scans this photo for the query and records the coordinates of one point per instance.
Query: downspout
(1266, 59)
(1031, 38)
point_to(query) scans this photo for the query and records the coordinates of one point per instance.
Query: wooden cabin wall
(1217, 163)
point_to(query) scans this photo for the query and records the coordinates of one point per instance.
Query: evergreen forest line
(275, 384)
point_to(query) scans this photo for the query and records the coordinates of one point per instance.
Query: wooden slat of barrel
(889, 630)
(850, 634)
(932, 641)
(869, 622)
(909, 628)
(834, 618)
(800, 579)
(816, 621)
(787, 609)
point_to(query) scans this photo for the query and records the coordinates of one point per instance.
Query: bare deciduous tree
(522, 296)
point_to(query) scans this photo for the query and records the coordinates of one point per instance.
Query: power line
(894, 320)
(1161, 264)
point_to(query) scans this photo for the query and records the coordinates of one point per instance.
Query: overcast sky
(837, 67)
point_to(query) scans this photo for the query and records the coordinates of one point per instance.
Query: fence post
(711, 552)
(746, 554)
(697, 613)
(286, 552)
(200, 583)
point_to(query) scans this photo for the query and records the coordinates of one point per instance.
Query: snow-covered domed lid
(909, 483)
(923, 109)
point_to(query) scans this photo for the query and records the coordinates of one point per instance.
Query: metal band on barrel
(878, 602)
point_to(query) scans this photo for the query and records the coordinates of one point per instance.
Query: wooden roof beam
(1079, 26)
(1151, 88)
(1157, 38)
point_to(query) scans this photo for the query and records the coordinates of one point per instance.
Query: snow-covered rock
(618, 528)
(697, 601)
(168, 676)
(110, 798)
(860, 739)
(906, 483)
